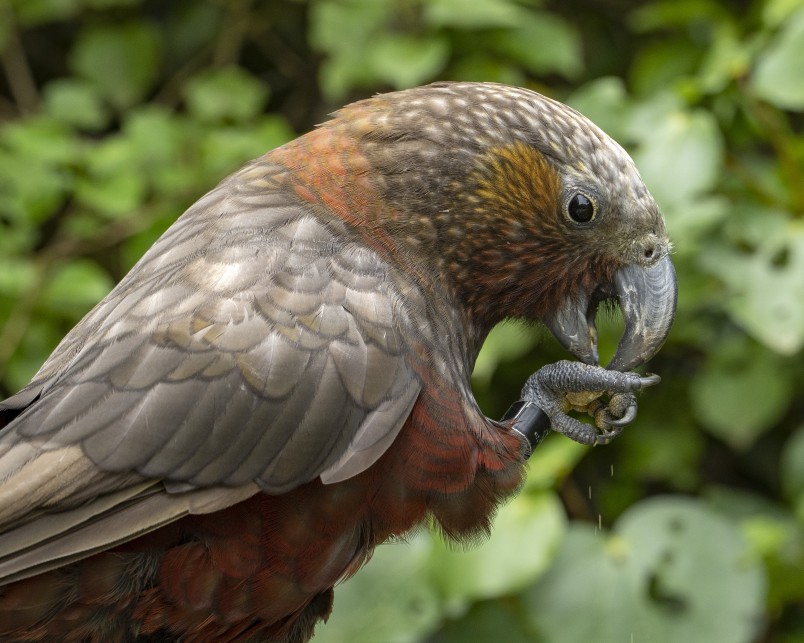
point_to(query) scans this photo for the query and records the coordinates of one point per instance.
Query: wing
(254, 343)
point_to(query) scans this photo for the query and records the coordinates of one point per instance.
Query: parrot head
(524, 207)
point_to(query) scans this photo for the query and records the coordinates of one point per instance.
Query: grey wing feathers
(253, 343)
(56, 539)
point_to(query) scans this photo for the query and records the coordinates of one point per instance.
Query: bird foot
(558, 389)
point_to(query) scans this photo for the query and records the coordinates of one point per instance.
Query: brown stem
(170, 92)
(15, 66)
(575, 501)
(233, 34)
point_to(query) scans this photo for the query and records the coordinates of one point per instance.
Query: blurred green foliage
(116, 114)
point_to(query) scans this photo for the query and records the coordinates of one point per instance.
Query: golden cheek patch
(517, 179)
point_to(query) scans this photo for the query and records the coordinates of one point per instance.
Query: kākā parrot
(282, 382)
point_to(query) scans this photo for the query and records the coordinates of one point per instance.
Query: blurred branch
(776, 129)
(170, 92)
(575, 502)
(51, 257)
(8, 110)
(113, 234)
(753, 186)
(15, 66)
(275, 49)
(233, 33)
(225, 51)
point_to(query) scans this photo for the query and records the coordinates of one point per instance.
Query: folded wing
(256, 346)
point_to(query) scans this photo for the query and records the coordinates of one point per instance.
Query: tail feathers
(52, 540)
(34, 479)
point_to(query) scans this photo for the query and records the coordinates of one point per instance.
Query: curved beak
(647, 298)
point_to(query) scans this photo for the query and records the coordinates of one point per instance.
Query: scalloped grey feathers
(254, 343)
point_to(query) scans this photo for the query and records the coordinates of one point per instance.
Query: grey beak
(647, 298)
(573, 324)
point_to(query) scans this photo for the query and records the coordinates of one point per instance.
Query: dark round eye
(580, 208)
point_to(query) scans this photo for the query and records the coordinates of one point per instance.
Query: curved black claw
(552, 386)
(628, 417)
(650, 379)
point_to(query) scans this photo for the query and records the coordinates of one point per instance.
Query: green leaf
(741, 391)
(390, 599)
(230, 94)
(691, 223)
(655, 16)
(681, 156)
(553, 461)
(779, 73)
(344, 25)
(117, 195)
(114, 186)
(408, 587)
(17, 275)
(645, 114)
(226, 148)
(591, 592)
(76, 287)
(121, 60)
(346, 31)
(664, 443)
(41, 337)
(364, 50)
(76, 102)
(773, 534)
(672, 570)
(41, 138)
(406, 61)
(675, 537)
(605, 102)
(727, 59)
(776, 12)
(486, 622)
(662, 64)
(477, 14)
(767, 285)
(34, 174)
(29, 192)
(523, 540)
(507, 341)
(784, 560)
(154, 139)
(558, 50)
(482, 67)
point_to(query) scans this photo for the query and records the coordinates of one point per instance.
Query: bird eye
(581, 208)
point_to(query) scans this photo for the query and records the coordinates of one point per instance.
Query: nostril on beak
(647, 249)
(651, 251)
